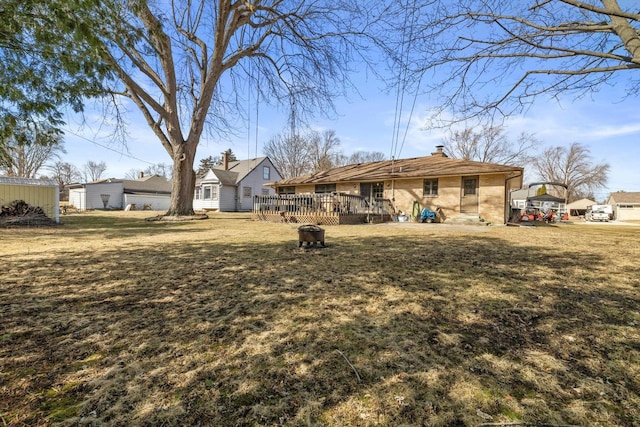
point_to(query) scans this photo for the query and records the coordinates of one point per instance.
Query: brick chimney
(141, 175)
(225, 160)
(439, 151)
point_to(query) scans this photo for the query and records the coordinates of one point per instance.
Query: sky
(608, 127)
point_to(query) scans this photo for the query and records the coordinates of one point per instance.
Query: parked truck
(598, 213)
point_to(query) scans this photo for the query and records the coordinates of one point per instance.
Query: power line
(396, 145)
(108, 148)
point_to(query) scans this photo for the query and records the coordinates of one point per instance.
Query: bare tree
(499, 56)
(64, 174)
(366, 156)
(133, 173)
(310, 152)
(28, 147)
(185, 64)
(491, 145)
(289, 154)
(93, 170)
(160, 169)
(322, 149)
(574, 167)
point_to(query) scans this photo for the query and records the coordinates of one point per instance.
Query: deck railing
(338, 203)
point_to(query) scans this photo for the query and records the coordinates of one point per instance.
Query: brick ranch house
(352, 193)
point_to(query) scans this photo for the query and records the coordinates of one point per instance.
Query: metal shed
(43, 193)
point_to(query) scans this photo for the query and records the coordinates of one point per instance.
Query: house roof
(147, 184)
(625, 197)
(523, 193)
(581, 204)
(27, 181)
(226, 177)
(417, 167)
(241, 167)
(235, 172)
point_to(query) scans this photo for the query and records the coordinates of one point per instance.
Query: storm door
(371, 191)
(469, 195)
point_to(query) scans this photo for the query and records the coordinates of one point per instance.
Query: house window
(430, 187)
(377, 189)
(287, 190)
(626, 206)
(210, 192)
(246, 191)
(469, 186)
(198, 193)
(265, 191)
(325, 188)
(266, 172)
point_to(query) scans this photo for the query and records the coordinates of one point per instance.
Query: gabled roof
(147, 184)
(226, 177)
(581, 204)
(522, 193)
(625, 197)
(235, 172)
(417, 167)
(241, 167)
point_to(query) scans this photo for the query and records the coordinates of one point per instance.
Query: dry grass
(111, 320)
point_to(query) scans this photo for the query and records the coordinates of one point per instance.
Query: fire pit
(311, 234)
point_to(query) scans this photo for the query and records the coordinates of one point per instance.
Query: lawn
(112, 320)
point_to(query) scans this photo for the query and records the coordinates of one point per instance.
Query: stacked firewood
(20, 208)
(20, 212)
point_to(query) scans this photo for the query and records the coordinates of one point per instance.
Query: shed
(43, 193)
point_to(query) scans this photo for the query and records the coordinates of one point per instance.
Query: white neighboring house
(152, 192)
(518, 198)
(626, 205)
(232, 186)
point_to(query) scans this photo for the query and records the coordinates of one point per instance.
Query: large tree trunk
(183, 181)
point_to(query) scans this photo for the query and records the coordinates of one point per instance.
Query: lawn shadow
(445, 331)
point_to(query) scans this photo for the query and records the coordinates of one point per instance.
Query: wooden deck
(320, 218)
(319, 209)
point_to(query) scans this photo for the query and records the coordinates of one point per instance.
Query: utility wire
(401, 86)
(108, 148)
(396, 146)
(413, 106)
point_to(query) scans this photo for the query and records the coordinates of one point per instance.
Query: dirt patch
(435, 227)
(174, 218)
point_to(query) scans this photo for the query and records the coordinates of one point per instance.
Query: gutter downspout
(507, 210)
